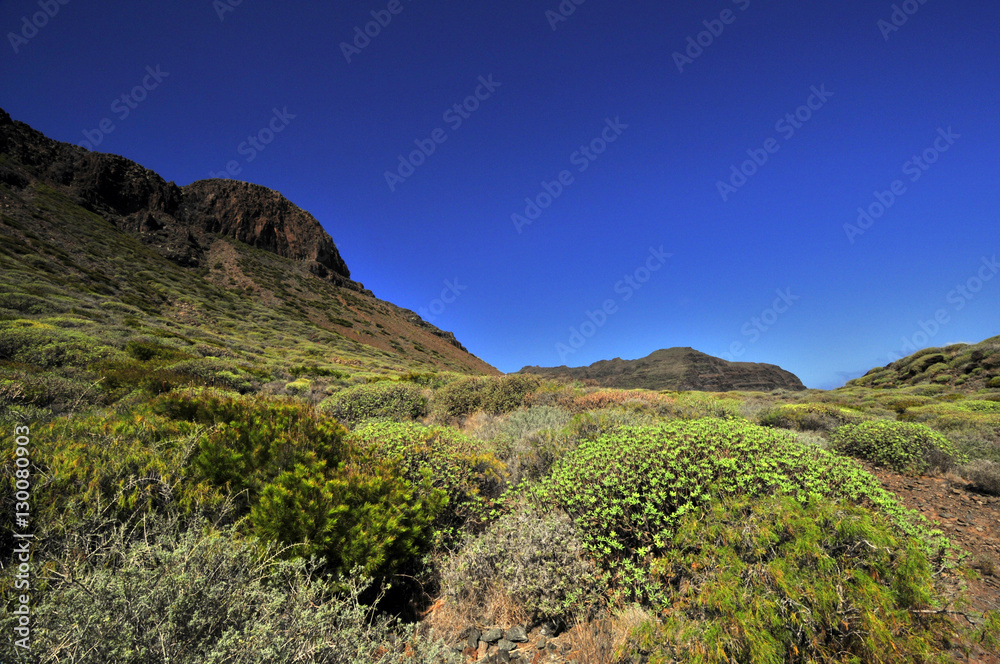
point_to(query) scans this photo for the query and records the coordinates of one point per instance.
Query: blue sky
(739, 137)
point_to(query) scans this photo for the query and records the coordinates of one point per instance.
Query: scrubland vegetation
(194, 518)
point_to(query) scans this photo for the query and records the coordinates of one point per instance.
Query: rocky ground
(972, 521)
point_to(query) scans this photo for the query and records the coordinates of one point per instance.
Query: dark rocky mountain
(82, 230)
(179, 221)
(678, 369)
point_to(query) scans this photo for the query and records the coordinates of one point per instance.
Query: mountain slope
(678, 369)
(964, 366)
(99, 257)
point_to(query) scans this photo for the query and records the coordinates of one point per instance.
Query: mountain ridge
(679, 368)
(177, 220)
(86, 233)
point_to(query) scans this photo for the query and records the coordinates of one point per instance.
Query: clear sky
(692, 171)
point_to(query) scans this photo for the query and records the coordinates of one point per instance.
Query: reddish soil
(972, 521)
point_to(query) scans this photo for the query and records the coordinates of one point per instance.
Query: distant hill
(969, 367)
(678, 369)
(103, 263)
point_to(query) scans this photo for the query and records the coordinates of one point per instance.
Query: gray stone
(504, 644)
(471, 636)
(542, 640)
(492, 635)
(517, 635)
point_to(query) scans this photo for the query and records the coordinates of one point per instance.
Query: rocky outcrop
(177, 221)
(678, 369)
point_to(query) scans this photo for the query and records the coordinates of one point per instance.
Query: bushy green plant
(494, 394)
(536, 559)
(464, 468)
(775, 580)
(695, 405)
(224, 374)
(155, 593)
(980, 406)
(392, 400)
(372, 519)
(628, 490)
(459, 397)
(504, 394)
(810, 416)
(903, 446)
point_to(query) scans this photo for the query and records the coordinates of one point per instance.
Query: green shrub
(695, 405)
(291, 471)
(224, 374)
(47, 346)
(373, 519)
(810, 417)
(984, 475)
(494, 394)
(504, 394)
(774, 580)
(155, 593)
(906, 447)
(628, 490)
(463, 468)
(994, 382)
(979, 406)
(150, 350)
(396, 401)
(536, 559)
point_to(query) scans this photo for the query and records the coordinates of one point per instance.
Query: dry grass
(603, 641)
(447, 619)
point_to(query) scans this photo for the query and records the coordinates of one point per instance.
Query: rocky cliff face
(678, 369)
(177, 221)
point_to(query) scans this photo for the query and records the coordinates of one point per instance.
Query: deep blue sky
(521, 294)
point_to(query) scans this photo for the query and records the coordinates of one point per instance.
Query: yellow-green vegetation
(778, 580)
(628, 491)
(464, 469)
(382, 399)
(810, 416)
(496, 395)
(906, 447)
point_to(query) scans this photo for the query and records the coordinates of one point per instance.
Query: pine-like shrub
(776, 580)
